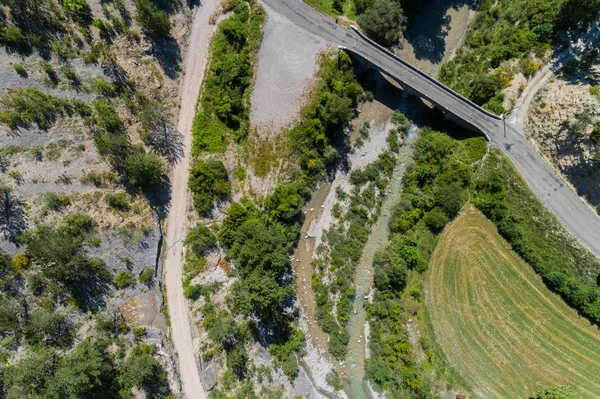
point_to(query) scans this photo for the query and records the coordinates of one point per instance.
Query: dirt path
(181, 332)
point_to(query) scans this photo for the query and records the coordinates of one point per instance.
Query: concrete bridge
(508, 135)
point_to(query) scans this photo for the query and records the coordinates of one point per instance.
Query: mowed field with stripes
(498, 325)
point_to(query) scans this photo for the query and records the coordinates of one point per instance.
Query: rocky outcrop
(560, 122)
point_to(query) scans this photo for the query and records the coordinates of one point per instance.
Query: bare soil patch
(552, 124)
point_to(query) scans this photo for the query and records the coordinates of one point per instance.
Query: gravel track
(181, 332)
(287, 62)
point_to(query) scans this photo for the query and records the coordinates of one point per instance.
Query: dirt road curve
(181, 333)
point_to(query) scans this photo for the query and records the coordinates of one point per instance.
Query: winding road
(181, 331)
(543, 180)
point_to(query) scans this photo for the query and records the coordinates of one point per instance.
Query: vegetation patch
(323, 120)
(259, 238)
(479, 293)
(225, 98)
(507, 30)
(209, 182)
(434, 189)
(341, 250)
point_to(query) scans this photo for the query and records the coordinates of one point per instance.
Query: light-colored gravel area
(288, 60)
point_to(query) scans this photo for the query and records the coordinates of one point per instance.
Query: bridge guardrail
(434, 81)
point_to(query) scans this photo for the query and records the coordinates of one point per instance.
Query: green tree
(262, 295)
(143, 170)
(60, 254)
(383, 22)
(337, 111)
(200, 239)
(49, 328)
(285, 204)
(85, 373)
(141, 370)
(209, 182)
(560, 392)
(578, 13)
(484, 88)
(27, 378)
(154, 21)
(260, 247)
(223, 330)
(9, 317)
(451, 198)
(390, 270)
(436, 219)
(237, 214)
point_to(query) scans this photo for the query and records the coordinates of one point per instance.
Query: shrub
(78, 10)
(106, 31)
(560, 392)
(124, 279)
(20, 69)
(200, 239)
(154, 21)
(595, 135)
(103, 87)
(12, 37)
(143, 170)
(209, 182)
(209, 135)
(146, 275)
(192, 291)
(530, 66)
(20, 262)
(30, 105)
(56, 201)
(106, 115)
(118, 201)
(70, 73)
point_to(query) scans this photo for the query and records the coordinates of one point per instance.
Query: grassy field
(499, 326)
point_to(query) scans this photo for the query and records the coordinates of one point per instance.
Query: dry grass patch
(498, 325)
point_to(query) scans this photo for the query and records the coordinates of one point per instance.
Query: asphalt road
(565, 204)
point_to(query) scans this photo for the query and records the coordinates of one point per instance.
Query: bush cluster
(227, 86)
(23, 107)
(208, 182)
(344, 246)
(258, 244)
(324, 119)
(434, 190)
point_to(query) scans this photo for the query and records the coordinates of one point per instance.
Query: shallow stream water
(363, 279)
